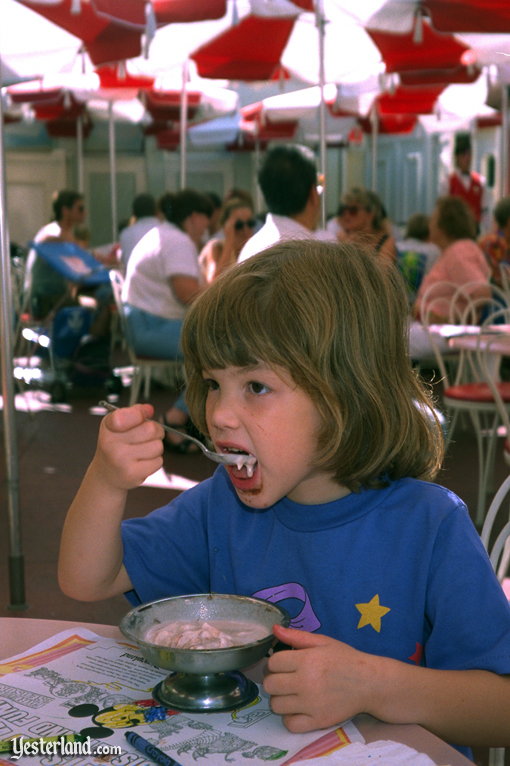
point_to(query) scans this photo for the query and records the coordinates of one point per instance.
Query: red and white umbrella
(110, 31)
(330, 41)
(114, 30)
(31, 46)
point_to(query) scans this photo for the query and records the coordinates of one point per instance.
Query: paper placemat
(78, 682)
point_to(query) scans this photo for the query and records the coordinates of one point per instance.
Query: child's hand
(129, 447)
(322, 682)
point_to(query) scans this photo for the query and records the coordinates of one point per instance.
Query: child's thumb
(298, 639)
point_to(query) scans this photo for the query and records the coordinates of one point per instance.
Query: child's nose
(223, 413)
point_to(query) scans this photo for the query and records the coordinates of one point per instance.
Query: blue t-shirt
(398, 572)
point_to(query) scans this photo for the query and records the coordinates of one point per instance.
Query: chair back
(475, 301)
(497, 543)
(488, 361)
(444, 307)
(472, 306)
(480, 306)
(117, 283)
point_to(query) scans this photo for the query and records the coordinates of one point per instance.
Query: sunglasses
(249, 224)
(351, 209)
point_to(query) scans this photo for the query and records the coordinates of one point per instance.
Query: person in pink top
(453, 229)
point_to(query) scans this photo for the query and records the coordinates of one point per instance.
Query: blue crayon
(150, 750)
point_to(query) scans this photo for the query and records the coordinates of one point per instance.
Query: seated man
(288, 181)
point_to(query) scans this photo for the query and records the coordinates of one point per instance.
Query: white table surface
(20, 633)
(496, 343)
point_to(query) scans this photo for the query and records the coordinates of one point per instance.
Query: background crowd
(172, 248)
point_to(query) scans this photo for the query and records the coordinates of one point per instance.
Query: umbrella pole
(259, 205)
(503, 173)
(183, 125)
(113, 172)
(375, 135)
(321, 27)
(79, 152)
(16, 560)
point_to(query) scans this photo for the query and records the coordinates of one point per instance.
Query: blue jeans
(152, 335)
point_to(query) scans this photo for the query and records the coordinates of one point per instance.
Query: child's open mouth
(245, 463)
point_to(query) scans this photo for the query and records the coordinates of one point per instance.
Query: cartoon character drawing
(74, 692)
(215, 742)
(119, 716)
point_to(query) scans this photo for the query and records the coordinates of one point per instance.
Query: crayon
(150, 750)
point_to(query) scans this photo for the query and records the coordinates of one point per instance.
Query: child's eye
(255, 387)
(210, 384)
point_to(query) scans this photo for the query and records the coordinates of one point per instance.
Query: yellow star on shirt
(371, 613)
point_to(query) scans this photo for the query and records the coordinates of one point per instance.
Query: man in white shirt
(288, 180)
(145, 219)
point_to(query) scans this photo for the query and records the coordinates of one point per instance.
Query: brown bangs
(231, 328)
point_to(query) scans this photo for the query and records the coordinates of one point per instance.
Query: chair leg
(452, 422)
(135, 386)
(486, 429)
(491, 452)
(497, 756)
(146, 382)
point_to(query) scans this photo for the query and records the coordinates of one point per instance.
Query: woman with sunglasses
(237, 223)
(362, 217)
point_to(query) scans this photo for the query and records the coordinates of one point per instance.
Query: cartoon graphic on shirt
(371, 613)
(306, 619)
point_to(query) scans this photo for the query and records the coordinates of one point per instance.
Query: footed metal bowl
(204, 679)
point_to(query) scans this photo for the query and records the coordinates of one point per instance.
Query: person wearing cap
(364, 220)
(289, 182)
(464, 182)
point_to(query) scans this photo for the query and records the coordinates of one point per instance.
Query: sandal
(183, 447)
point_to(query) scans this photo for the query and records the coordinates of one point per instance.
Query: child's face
(261, 411)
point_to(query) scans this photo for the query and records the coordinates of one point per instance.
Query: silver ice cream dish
(204, 680)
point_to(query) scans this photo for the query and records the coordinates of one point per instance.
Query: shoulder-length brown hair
(334, 316)
(455, 218)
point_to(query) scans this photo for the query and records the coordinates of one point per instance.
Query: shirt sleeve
(466, 607)
(166, 552)
(179, 255)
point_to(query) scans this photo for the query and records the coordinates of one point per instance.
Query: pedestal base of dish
(207, 693)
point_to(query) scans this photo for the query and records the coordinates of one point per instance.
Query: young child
(299, 357)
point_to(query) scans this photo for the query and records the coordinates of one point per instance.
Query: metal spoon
(218, 457)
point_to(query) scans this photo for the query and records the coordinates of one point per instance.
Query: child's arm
(324, 681)
(129, 449)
